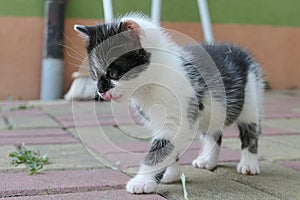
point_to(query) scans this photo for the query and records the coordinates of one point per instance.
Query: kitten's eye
(113, 74)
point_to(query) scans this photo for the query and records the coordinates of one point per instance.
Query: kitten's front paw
(249, 167)
(204, 163)
(139, 185)
(171, 175)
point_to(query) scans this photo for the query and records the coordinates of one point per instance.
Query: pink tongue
(106, 96)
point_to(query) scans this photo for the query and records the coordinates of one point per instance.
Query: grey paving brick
(2, 124)
(96, 195)
(289, 124)
(275, 180)
(204, 184)
(270, 148)
(56, 182)
(36, 121)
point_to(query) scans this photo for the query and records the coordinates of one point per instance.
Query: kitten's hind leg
(172, 174)
(249, 124)
(210, 151)
(249, 138)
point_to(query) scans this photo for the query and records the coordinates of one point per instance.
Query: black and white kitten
(198, 88)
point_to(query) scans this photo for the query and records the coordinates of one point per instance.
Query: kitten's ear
(84, 31)
(134, 33)
(130, 25)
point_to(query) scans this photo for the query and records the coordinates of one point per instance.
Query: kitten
(199, 88)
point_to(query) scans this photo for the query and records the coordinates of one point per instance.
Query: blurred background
(270, 29)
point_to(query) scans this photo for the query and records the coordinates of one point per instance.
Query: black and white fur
(151, 69)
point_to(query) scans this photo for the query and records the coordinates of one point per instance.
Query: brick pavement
(86, 144)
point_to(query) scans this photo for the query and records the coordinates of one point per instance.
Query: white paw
(249, 164)
(204, 163)
(172, 174)
(248, 167)
(141, 184)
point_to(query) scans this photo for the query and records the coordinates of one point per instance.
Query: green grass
(268, 12)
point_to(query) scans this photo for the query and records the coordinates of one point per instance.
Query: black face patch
(126, 62)
(113, 51)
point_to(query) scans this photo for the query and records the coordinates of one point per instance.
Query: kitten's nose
(104, 84)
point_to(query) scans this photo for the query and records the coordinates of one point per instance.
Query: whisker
(73, 50)
(69, 39)
(75, 58)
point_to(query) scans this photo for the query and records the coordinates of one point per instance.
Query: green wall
(269, 12)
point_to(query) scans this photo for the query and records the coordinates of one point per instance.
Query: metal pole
(205, 20)
(108, 11)
(53, 64)
(156, 11)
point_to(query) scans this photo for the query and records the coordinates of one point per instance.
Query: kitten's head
(114, 50)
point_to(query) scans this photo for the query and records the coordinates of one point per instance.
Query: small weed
(21, 107)
(10, 127)
(32, 159)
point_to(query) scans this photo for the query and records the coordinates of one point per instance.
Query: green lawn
(270, 12)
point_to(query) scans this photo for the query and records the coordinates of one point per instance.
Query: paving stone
(268, 148)
(292, 164)
(289, 124)
(77, 108)
(122, 155)
(5, 160)
(284, 114)
(268, 131)
(204, 184)
(275, 180)
(67, 156)
(95, 195)
(91, 119)
(226, 155)
(2, 124)
(291, 140)
(26, 112)
(136, 131)
(126, 155)
(60, 139)
(36, 121)
(61, 157)
(100, 135)
(36, 136)
(33, 132)
(55, 182)
(6, 105)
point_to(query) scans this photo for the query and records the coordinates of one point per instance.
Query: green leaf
(32, 159)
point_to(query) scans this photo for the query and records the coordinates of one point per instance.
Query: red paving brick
(131, 154)
(68, 121)
(57, 182)
(95, 195)
(33, 132)
(226, 155)
(135, 147)
(292, 164)
(27, 112)
(233, 131)
(61, 139)
(283, 114)
(36, 136)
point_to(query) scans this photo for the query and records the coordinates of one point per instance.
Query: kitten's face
(113, 51)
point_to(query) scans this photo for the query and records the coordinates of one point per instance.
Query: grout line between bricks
(245, 184)
(54, 191)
